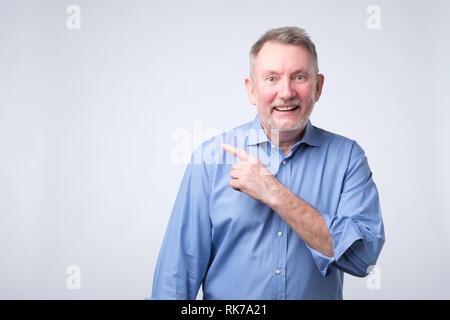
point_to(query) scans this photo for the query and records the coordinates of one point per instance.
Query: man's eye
(271, 78)
(300, 77)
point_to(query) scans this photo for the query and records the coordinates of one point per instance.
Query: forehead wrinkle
(282, 67)
(273, 59)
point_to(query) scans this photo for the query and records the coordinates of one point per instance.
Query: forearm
(306, 221)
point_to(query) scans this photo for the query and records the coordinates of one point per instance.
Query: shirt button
(280, 233)
(284, 162)
(277, 271)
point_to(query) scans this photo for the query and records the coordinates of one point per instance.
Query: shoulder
(337, 143)
(210, 156)
(342, 154)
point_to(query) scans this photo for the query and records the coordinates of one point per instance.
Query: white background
(87, 117)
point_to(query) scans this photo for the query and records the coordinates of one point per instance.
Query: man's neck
(284, 139)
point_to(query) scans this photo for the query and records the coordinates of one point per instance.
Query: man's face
(284, 86)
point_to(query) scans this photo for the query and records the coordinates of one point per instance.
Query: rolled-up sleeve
(185, 251)
(357, 227)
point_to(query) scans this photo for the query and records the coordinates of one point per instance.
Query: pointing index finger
(241, 154)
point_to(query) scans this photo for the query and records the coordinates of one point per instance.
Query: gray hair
(285, 35)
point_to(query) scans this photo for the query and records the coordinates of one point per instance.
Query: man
(294, 208)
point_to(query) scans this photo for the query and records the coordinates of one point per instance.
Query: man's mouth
(287, 107)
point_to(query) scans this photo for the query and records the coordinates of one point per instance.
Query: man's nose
(286, 91)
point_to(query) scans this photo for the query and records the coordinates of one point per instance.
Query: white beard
(271, 125)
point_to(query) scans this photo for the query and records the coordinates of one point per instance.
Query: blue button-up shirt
(239, 248)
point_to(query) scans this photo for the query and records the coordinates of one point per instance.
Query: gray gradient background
(87, 116)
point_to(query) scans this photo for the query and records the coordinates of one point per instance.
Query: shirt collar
(258, 135)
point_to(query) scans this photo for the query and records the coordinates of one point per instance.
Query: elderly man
(294, 209)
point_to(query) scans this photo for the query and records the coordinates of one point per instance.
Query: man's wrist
(275, 193)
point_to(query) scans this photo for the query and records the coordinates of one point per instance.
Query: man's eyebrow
(267, 72)
(302, 71)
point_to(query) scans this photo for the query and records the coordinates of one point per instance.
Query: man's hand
(251, 176)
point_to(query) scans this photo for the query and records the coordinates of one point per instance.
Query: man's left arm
(351, 240)
(357, 226)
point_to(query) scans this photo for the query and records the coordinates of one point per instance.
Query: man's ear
(249, 85)
(319, 85)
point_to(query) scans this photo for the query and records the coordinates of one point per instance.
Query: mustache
(286, 104)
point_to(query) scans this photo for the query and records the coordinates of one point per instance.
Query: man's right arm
(185, 252)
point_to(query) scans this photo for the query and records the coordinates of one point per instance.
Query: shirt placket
(283, 175)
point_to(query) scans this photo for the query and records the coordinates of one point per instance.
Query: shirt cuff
(342, 240)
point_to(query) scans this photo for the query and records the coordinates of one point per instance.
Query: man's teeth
(286, 108)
